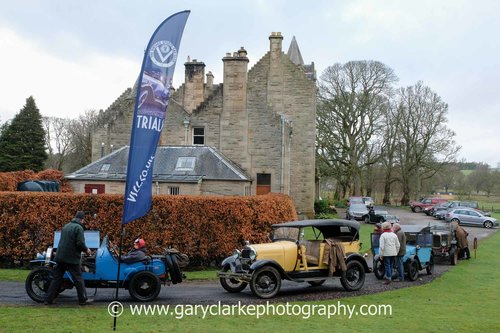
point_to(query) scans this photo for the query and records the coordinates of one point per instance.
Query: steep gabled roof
(294, 53)
(209, 164)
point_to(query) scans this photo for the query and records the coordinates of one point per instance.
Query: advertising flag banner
(151, 104)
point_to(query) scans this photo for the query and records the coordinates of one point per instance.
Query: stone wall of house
(116, 123)
(214, 187)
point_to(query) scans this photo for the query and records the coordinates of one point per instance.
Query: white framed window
(185, 164)
(198, 135)
(174, 190)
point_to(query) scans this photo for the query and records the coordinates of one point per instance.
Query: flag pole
(122, 231)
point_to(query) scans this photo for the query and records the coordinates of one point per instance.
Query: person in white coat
(388, 249)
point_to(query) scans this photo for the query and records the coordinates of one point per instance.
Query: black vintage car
(444, 243)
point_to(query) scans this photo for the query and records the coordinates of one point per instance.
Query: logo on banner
(163, 54)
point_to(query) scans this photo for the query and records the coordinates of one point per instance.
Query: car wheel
(417, 209)
(413, 270)
(453, 256)
(430, 265)
(38, 282)
(367, 219)
(379, 269)
(488, 224)
(354, 276)
(231, 285)
(316, 283)
(456, 220)
(144, 286)
(266, 282)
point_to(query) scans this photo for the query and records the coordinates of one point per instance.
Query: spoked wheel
(144, 286)
(38, 282)
(488, 224)
(231, 285)
(316, 283)
(413, 270)
(430, 265)
(354, 276)
(379, 269)
(266, 282)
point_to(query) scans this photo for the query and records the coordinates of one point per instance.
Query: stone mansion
(258, 125)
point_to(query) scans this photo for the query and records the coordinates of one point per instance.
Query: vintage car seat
(313, 248)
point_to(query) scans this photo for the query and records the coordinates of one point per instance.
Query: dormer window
(185, 164)
(105, 168)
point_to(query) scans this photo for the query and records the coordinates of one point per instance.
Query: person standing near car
(68, 255)
(388, 249)
(396, 228)
(462, 242)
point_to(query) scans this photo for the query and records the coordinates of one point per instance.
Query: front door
(263, 183)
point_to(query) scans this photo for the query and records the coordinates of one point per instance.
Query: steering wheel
(113, 248)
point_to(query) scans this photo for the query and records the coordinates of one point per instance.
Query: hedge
(204, 227)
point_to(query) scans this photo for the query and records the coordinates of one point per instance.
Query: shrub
(206, 228)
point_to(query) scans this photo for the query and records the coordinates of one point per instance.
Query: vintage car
(142, 279)
(419, 254)
(299, 252)
(444, 243)
(379, 216)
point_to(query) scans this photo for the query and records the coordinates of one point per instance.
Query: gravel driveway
(210, 292)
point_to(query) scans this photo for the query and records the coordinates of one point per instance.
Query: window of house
(174, 190)
(248, 190)
(263, 183)
(185, 164)
(198, 135)
(105, 168)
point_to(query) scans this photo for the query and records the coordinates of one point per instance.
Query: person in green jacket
(71, 245)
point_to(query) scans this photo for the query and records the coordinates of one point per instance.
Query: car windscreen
(285, 233)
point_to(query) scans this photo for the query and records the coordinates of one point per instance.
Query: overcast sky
(74, 56)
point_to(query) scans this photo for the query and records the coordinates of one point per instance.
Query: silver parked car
(357, 211)
(470, 216)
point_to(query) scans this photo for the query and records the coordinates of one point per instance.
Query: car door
(474, 218)
(462, 215)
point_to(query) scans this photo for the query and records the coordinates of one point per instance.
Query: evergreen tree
(22, 142)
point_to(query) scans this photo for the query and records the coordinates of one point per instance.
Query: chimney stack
(193, 84)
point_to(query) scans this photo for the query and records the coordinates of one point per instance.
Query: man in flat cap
(71, 245)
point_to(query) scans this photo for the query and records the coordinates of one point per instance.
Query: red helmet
(140, 242)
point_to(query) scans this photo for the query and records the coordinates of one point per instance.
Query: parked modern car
(430, 211)
(418, 206)
(367, 201)
(418, 255)
(441, 211)
(471, 217)
(298, 252)
(358, 212)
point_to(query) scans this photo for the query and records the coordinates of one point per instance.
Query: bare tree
(58, 139)
(81, 139)
(352, 100)
(425, 142)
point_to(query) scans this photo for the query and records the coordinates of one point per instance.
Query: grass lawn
(462, 300)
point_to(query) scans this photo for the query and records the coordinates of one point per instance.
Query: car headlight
(253, 253)
(236, 254)
(443, 243)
